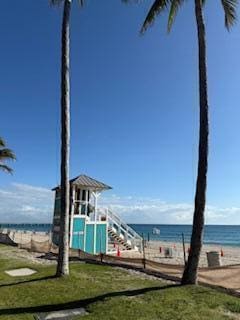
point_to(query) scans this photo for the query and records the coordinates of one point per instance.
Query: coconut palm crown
(159, 6)
(5, 154)
(58, 2)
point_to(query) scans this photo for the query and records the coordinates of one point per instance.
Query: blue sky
(134, 108)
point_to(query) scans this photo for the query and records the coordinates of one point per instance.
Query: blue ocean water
(40, 227)
(213, 234)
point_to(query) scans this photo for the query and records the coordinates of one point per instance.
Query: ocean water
(40, 227)
(224, 235)
(213, 234)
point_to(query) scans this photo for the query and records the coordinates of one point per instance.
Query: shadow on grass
(82, 303)
(27, 281)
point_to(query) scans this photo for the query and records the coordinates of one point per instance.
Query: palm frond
(7, 154)
(56, 2)
(173, 12)
(6, 168)
(2, 142)
(131, 1)
(230, 11)
(157, 7)
(59, 2)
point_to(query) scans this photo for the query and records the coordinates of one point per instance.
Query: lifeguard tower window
(82, 202)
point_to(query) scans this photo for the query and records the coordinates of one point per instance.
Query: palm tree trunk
(63, 263)
(191, 269)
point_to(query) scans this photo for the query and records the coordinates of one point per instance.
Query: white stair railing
(122, 229)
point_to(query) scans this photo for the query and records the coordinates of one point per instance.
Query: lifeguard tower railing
(117, 227)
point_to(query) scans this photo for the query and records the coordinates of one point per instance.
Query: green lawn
(106, 293)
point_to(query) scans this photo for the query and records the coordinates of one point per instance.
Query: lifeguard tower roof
(87, 182)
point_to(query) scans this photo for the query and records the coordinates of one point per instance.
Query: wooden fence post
(184, 251)
(144, 257)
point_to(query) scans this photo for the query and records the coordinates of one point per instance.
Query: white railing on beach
(123, 230)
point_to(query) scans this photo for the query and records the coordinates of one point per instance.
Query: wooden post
(144, 257)
(184, 252)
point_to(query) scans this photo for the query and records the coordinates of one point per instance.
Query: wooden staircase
(119, 240)
(120, 232)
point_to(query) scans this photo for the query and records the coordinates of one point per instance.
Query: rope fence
(222, 276)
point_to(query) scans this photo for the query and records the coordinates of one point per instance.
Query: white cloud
(147, 210)
(21, 203)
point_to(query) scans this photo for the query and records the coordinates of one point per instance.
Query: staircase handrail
(118, 221)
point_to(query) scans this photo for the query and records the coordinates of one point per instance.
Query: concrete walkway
(61, 315)
(21, 272)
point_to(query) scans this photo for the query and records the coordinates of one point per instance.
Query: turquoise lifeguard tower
(92, 229)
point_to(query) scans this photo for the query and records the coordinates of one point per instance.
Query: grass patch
(106, 293)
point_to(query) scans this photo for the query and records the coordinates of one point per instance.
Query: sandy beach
(231, 255)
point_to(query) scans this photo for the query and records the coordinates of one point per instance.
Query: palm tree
(229, 7)
(5, 154)
(63, 255)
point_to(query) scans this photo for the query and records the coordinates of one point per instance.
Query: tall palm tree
(5, 154)
(63, 255)
(229, 7)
